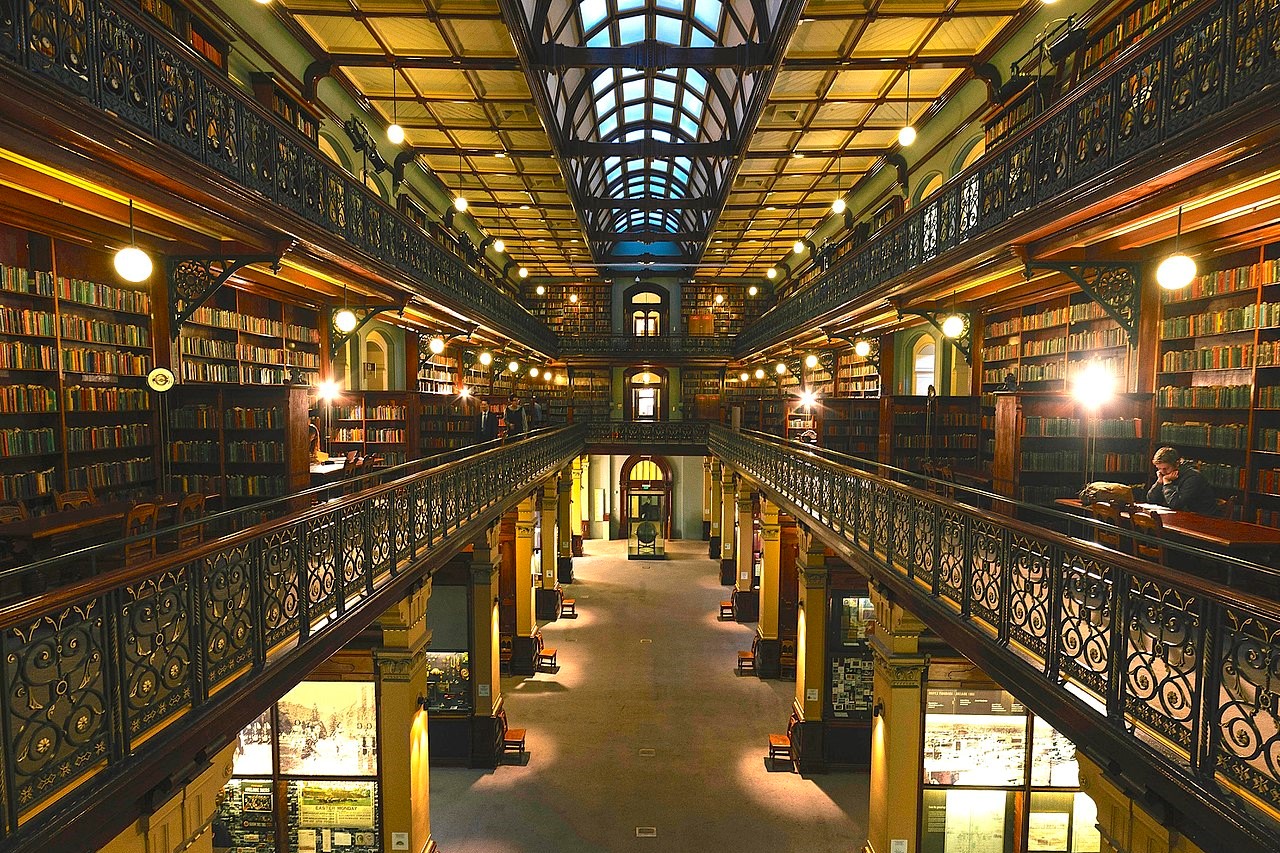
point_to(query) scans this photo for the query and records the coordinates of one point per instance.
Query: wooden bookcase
(802, 421)
(75, 349)
(1126, 24)
(1218, 371)
(273, 94)
(382, 424)
(1042, 449)
(591, 396)
(241, 338)
(855, 376)
(700, 394)
(590, 316)
(914, 430)
(704, 317)
(851, 425)
(193, 29)
(247, 444)
(445, 422)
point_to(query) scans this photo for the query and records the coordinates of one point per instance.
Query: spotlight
(345, 321)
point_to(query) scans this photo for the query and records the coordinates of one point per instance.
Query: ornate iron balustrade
(110, 55)
(668, 346)
(94, 675)
(1193, 75)
(642, 434)
(1169, 679)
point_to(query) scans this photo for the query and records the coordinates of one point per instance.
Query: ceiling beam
(878, 63)
(612, 236)
(649, 55)
(443, 63)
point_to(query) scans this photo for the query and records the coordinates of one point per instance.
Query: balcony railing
(109, 54)
(1187, 79)
(95, 674)
(642, 434)
(662, 346)
(1149, 668)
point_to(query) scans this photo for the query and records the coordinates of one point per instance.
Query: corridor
(646, 665)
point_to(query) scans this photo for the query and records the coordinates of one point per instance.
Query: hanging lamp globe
(345, 321)
(499, 245)
(133, 264)
(460, 203)
(395, 134)
(907, 136)
(1176, 271)
(838, 206)
(953, 326)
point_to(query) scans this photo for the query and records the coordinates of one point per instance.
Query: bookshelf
(700, 394)
(1218, 367)
(590, 316)
(273, 94)
(591, 395)
(381, 424)
(196, 31)
(851, 425)
(248, 444)
(1127, 25)
(944, 431)
(75, 348)
(445, 422)
(241, 338)
(437, 374)
(803, 423)
(855, 376)
(1043, 444)
(704, 317)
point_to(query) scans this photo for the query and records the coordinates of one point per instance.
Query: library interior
(580, 425)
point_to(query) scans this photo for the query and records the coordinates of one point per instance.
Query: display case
(448, 687)
(645, 537)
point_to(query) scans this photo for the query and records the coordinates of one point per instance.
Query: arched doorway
(377, 350)
(646, 310)
(645, 520)
(646, 394)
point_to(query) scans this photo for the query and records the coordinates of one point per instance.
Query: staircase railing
(101, 680)
(1170, 681)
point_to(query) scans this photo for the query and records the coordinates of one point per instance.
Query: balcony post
(548, 593)
(524, 645)
(811, 655)
(706, 498)
(713, 512)
(564, 538)
(575, 509)
(486, 678)
(727, 520)
(746, 599)
(768, 645)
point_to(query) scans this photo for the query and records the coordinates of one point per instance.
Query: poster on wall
(1053, 758)
(253, 749)
(329, 728)
(1048, 832)
(327, 804)
(974, 737)
(975, 821)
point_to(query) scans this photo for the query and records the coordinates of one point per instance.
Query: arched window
(923, 366)
(645, 469)
(376, 350)
(646, 315)
(975, 148)
(930, 185)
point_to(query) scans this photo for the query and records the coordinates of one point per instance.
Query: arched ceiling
(702, 134)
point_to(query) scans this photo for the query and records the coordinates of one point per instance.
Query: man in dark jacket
(1179, 485)
(486, 424)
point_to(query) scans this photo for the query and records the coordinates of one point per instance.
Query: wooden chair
(506, 646)
(787, 658)
(1110, 536)
(350, 473)
(1227, 507)
(74, 498)
(512, 739)
(780, 745)
(139, 521)
(190, 508)
(747, 660)
(16, 511)
(545, 657)
(351, 457)
(1150, 524)
(726, 609)
(568, 608)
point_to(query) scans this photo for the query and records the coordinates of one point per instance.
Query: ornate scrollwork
(1112, 284)
(192, 280)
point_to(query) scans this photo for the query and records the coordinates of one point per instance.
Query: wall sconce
(878, 709)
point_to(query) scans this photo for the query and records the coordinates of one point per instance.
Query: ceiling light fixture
(953, 326)
(780, 368)
(499, 245)
(513, 366)
(486, 358)
(811, 361)
(1176, 271)
(752, 290)
(907, 135)
(395, 133)
(838, 205)
(541, 290)
(345, 321)
(436, 345)
(460, 201)
(523, 272)
(132, 263)
(771, 273)
(759, 373)
(744, 376)
(862, 348)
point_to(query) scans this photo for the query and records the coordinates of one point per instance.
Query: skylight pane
(707, 13)
(695, 81)
(663, 114)
(602, 81)
(697, 38)
(673, 5)
(628, 5)
(609, 125)
(668, 30)
(592, 12)
(689, 126)
(635, 112)
(635, 135)
(633, 90)
(661, 135)
(600, 39)
(630, 30)
(664, 90)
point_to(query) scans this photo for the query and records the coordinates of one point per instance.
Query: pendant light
(907, 135)
(345, 320)
(838, 205)
(132, 263)
(395, 133)
(1176, 271)
(460, 201)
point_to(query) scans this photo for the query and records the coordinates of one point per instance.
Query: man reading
(1179, 485)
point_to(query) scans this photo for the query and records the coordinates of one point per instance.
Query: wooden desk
(323, 472)
(82, 522)
(1221, 533)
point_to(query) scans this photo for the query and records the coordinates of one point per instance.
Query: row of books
(108, 437)
(1205, 435)
(1226, 281)
(1206, 396)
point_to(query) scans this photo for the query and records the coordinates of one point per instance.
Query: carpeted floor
(646, 665)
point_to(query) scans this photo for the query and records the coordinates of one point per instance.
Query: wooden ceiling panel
(798, 85)
(339, 35)
(964, 35)
(440, 83)
(846, 114)
(502, 84)
(488, 38)
(860, 84)
(414, 36)
(893, 37)
(822, 38)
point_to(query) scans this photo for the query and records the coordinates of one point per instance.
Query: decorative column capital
(901, 671)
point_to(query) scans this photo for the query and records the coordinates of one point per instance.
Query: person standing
(1179, 485)
(538, 419)
(486, 424)
(514, 416)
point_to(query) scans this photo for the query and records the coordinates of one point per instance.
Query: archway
(646, 394)
(646, 485)
(645, 308)
(377, 350)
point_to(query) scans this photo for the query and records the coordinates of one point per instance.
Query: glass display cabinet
(645, 515)
(448, 685)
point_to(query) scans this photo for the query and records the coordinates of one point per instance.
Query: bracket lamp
(760, 372)
(523, 272)
(752, 290)
(436, 345)
(780, 368)
(811, 361)
(862, 348)
(345, 321)
(486, 358)
(132, 263)
(513, 366)
(744, 376)
(953, 326)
